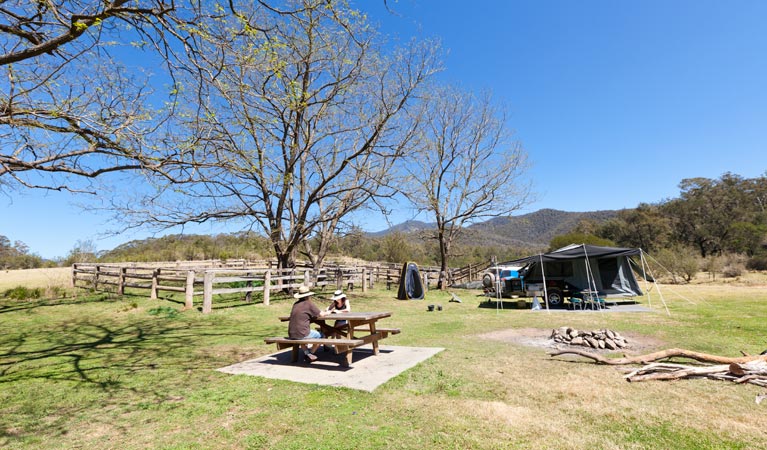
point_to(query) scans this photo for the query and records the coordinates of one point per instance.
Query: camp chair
(577, 303)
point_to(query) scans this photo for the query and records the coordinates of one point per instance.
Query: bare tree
(69, 110)
(465, 167)
(297, 122)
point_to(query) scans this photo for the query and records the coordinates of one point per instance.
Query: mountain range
(531, 230)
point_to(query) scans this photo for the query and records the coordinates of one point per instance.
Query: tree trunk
(444, 254)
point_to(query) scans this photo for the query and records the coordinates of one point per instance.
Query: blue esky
(615, 101)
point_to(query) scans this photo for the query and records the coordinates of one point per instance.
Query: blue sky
(615, 101)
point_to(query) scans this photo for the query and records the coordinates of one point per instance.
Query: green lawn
(105, 372)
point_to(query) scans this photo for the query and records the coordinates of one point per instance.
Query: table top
(349, 316)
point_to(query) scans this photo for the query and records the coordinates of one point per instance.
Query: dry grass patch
(36, 278)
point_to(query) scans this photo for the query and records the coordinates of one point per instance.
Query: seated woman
(340, 304)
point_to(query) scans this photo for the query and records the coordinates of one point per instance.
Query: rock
(601, 343)
(592, 343)
(609, 343)
(573, 333)
(588, 333)
(610, 334)
(620, 344)
(577, 341)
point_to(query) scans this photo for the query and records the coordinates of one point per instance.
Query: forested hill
(531, 230)
(535, 229)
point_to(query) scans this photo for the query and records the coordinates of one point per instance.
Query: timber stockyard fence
(208, 278)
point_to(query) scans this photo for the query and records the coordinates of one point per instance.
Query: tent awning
(576, 251)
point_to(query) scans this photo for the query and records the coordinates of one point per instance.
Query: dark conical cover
(410, 285)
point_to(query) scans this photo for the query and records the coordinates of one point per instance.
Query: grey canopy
(609, 268)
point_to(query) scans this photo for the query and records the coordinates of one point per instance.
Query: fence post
(267, 285)
(121, 281)
(364, 280)
(74, 276)
(307, 279)
(425, 282)
(207, 292)
(339, 277)
(153, 293)
(96, 278)
(189, 292)
(249, 283)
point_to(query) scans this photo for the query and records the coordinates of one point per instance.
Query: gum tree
(298, 118)
(464, 166)
(70, 109)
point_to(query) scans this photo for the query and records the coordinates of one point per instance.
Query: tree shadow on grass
(12, 305)
(107, 365)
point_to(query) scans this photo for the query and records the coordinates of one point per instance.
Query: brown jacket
(301, 318)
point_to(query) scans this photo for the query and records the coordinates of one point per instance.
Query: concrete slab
(366, 373)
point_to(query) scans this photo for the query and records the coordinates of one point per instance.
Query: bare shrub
(757, 263)
(680, 262)
(734, 265)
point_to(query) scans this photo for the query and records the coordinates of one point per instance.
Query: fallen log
(746, 369)
(660, 371)
(664, 354)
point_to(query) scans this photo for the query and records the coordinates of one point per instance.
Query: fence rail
(210, 278)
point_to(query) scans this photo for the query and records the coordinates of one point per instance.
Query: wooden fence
(208, 278)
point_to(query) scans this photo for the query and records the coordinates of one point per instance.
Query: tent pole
(677, 293)
(590, 279)
(545, 291)
(498, 296)
(644, 276)
(660, 293)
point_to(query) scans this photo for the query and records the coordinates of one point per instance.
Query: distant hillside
(533, 230)
(410, 226)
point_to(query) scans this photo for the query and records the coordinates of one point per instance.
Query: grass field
(105, 372)
(35, 278)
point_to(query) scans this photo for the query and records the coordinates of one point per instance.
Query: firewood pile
(596, 339)
(746, 369)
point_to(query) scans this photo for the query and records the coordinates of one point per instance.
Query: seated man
(301, 316)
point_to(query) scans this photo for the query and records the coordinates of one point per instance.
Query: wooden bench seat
(385, 332)
(340, 345)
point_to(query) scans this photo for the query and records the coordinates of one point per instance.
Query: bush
(54, 292)
(23, 293)
(757, 263)
(732, 271)
(734, 265)
(167, 311)
(679, 262)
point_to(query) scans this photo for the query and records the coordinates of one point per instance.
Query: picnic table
(361, 329)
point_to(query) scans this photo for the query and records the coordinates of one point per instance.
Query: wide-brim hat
(338, 295)
(303, 291)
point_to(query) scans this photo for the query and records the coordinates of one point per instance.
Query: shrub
(734, 265)
(679, 262)
(757, 263)
(732, 271)
(167, 311)
(54, 292)
(23, 293)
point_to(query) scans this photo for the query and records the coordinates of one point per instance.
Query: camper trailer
(569, 272)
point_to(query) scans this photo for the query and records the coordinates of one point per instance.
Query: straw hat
(303, 291)
(338, 295)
